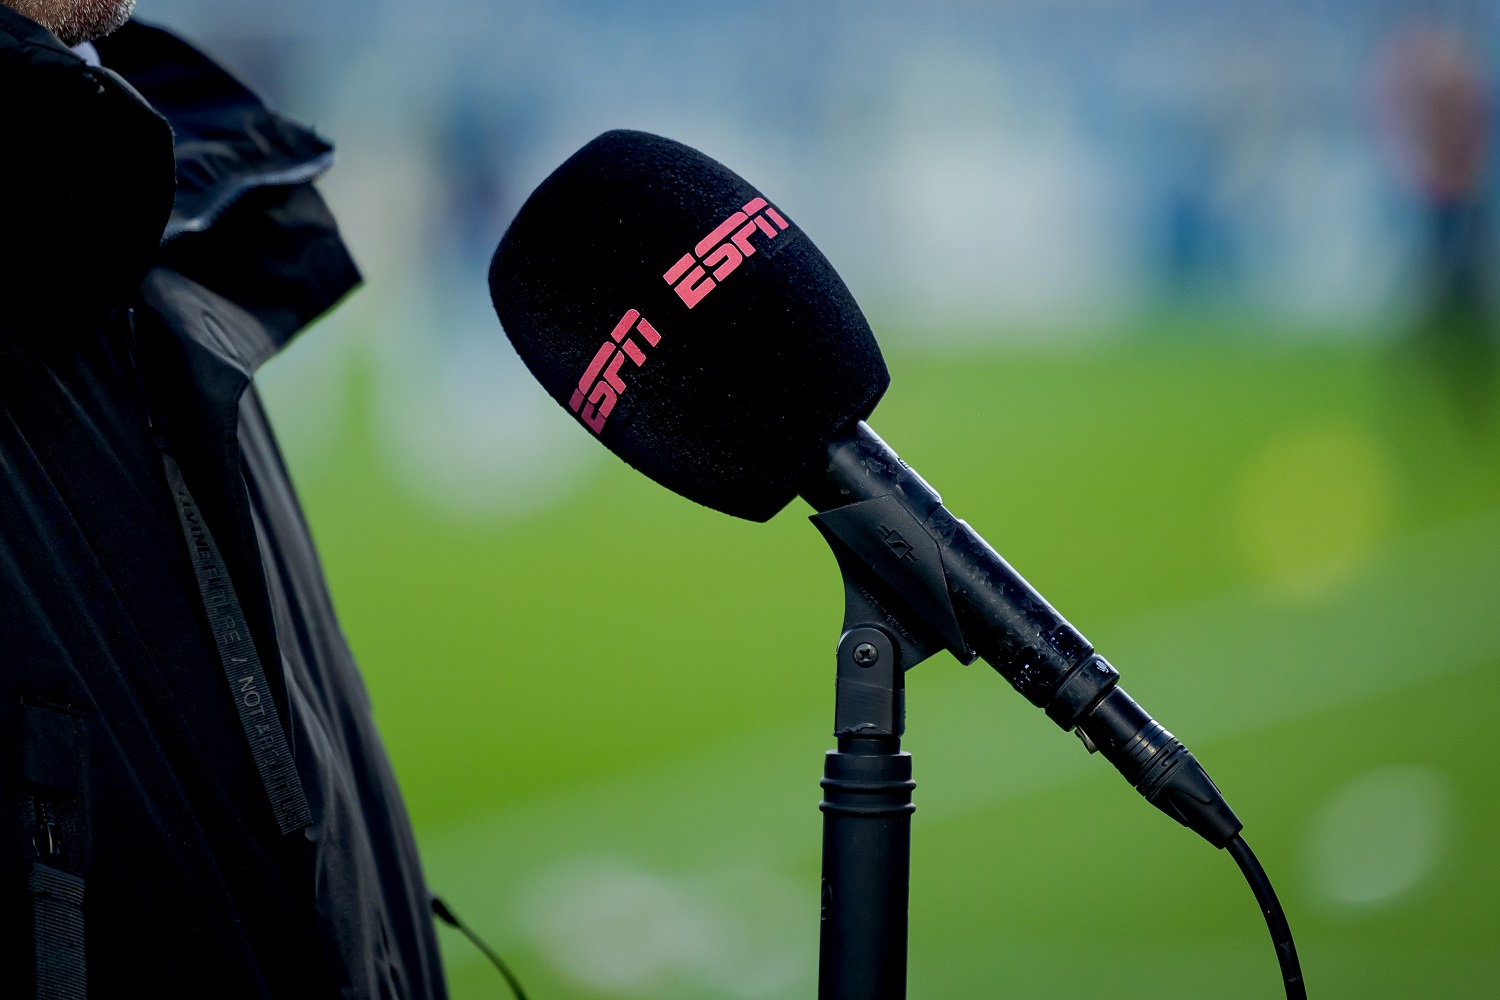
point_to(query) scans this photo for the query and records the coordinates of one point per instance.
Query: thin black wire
(1270, 906)
(447, 916)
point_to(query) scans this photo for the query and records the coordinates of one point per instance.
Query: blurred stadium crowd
(978, 171)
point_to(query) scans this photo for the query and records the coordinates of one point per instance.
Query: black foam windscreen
(685, 320)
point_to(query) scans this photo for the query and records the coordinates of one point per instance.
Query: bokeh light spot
(1380, 836)
(1310, 505)
(627, 931)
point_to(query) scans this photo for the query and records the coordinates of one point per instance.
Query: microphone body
(988, 610)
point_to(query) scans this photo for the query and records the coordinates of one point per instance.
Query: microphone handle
(1004, 621)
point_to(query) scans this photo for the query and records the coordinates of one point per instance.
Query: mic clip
(893, 577)
(897, 611)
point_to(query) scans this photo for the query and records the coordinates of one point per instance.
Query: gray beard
(75, 21)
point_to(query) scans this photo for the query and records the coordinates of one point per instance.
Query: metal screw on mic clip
(865, 654)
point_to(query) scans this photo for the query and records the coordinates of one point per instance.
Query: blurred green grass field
(608, 717)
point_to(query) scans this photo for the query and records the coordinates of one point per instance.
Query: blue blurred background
(1190, 309)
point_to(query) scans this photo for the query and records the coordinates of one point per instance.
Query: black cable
(447, 916)
(1270, 906)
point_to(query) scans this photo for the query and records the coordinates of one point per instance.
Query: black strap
(242, 667)
(57, 927)
(51, 804)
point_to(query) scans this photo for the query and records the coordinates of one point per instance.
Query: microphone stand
(867, 782)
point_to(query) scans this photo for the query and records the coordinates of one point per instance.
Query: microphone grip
(1005, 621)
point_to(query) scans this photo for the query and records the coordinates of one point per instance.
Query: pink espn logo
(600, 387)
(722, 250)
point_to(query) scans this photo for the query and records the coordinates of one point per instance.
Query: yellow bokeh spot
(1311, 505)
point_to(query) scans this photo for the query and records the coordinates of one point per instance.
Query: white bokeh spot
(1379, 837)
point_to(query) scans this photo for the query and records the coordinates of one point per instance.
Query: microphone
(690, 325)
(686, 322)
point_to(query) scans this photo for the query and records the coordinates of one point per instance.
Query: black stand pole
(867, 809)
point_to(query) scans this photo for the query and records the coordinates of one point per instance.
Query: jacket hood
(86, 180)
(159, 159)
(226, 141)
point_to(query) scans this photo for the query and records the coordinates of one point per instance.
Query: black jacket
(159, 239)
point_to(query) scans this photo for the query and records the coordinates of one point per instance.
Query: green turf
(607, 717)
